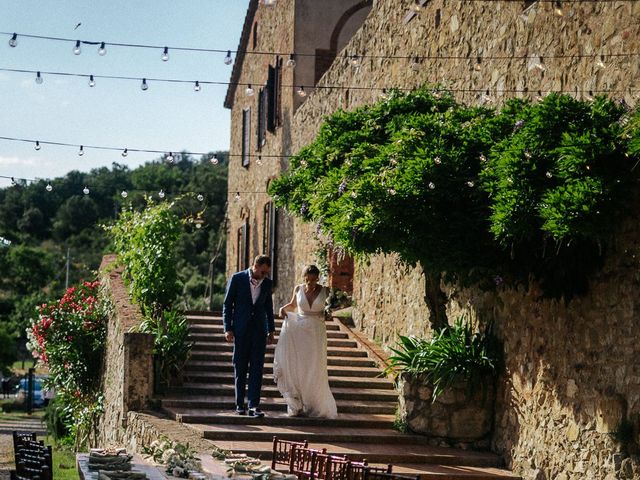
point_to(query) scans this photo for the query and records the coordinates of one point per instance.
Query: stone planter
(453, 418)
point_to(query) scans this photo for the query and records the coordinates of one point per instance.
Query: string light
(77, 50)
(161, 194)
(39, 78)
(81, 151)
(13, 42)
(259, 161)
(48, 188)
(165, 54)
(143, 85)
(102, 51)
(92, 82)
(600, 62)
(169, 158)
(85, 190)
(214, 160)
(478, 66)
(13, 182)
(301, 92)
(37, 145)
(125, 152)
(249, 91)
(200, 197)
(197, 87)
(237, 196)
(557, 8)
(124, 194)
(227, 59)
(355, 61)
(291, 62)
(416, 7)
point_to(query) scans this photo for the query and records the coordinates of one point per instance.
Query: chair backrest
(20, 437)
(302, 461)
(34, 461)
(373, 475)
(282, 450)
(332, 467)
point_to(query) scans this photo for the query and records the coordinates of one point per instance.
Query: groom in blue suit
(248, 323)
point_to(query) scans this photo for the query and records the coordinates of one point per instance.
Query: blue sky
(116, 113)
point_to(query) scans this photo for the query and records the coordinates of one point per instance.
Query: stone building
(572, 378)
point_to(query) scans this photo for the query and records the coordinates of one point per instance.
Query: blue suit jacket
(238, 308)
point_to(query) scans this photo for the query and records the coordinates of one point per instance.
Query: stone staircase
(366, 402)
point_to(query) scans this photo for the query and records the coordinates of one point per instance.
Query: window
(246, 136)
(255, 36)
(274, 85)
(243, 246)
(263, 99)
(269, 232)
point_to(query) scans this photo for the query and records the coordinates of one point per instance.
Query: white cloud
(10, 161)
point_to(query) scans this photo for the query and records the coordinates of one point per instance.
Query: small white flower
(167, 454)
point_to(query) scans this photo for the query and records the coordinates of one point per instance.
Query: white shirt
(255, 287)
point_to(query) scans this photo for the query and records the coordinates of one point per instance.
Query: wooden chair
(356, 470)
(329, 467)
(303, 461)
(372, 475)
(34, 461)
(282, 451)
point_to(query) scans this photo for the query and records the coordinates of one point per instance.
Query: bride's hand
(282, 312)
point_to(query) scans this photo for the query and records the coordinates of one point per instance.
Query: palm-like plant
(456, 353)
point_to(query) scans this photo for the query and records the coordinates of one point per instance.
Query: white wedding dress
(300, 360)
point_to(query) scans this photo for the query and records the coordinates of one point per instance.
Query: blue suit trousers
(248, 358)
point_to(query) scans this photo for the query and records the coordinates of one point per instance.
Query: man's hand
(229, 336)
(270, 338)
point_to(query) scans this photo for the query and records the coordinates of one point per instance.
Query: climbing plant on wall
(471, 191)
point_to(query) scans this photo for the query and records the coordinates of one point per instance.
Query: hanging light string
(165, 49)
(298, 88)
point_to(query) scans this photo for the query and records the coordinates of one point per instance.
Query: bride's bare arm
(291, 306)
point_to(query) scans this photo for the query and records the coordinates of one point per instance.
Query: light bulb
(259, 160)
(39, 78)
(214, 160)
(540, 64)
(125, 152)
(269, 3)
(249, 91)
(161, 194)
(416, 6)
(228, 60)
(470, 184)
(600, 63)
(48, 188)
(478, 66)
(169, 158)
(415, 64)
(557, 9)
(124, 194)
(77, 50)
(291, 63)
(432, 185)
(92, 82)
(85, 190)
(81, 151)
(14, 40)
(391, 191)
(165, 54)
(200, 197)
(198, 224)
(144, 85)
(237, 196)
(37, 145)
(355, 61)
(13, 182)
(301, 92)
(102, 51)
(196, 87)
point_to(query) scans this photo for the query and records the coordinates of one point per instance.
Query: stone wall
(127, 376)
(571, 371)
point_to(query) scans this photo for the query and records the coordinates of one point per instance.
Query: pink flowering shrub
(68, 337)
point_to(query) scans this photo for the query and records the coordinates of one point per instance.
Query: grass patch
(64, 461)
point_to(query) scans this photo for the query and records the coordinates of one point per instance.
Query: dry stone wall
(571, 377)
(127, 377)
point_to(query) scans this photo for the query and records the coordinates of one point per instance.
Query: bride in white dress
(300, 360)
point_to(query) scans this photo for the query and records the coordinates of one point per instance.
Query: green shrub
(454, 354)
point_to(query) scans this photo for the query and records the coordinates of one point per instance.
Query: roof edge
(240, 53)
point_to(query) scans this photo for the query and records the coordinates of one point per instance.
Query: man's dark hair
(262, 260)
(311, 270)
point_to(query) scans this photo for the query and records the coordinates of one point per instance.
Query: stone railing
(127, 375)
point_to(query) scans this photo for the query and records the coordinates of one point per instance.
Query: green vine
(474, 192)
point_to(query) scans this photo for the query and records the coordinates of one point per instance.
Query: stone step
(216, 347)
(263, 431)
(452, 472)
(346, 382)
(331, 324)
(270, 404)
(204, 341)
(218, 330)
(271, 391)
(202, 355)
(279, 418)
(334, 371)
